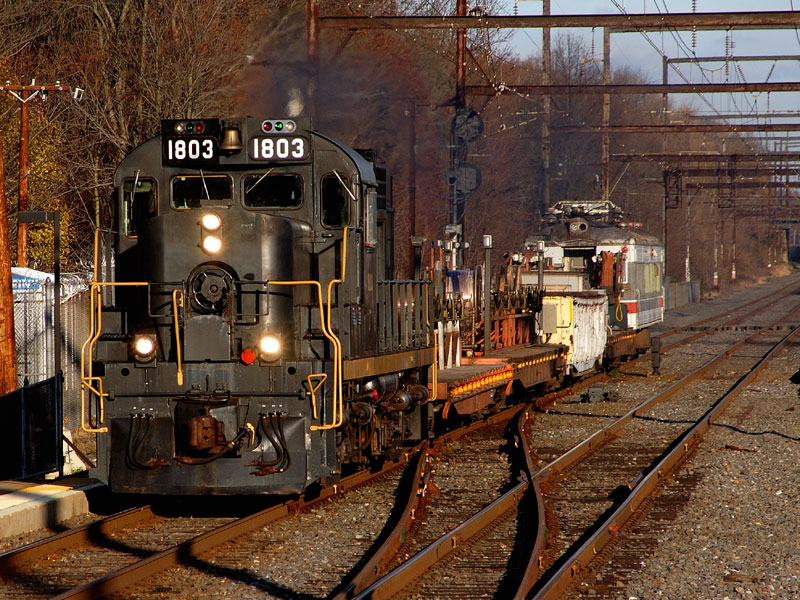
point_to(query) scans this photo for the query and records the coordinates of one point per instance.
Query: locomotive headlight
(211, 221)
(212, 244)
(269, 346)
(144, 346)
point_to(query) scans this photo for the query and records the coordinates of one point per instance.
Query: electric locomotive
(247, 335)
(586, 250)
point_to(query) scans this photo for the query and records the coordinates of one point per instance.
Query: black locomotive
(247, 336)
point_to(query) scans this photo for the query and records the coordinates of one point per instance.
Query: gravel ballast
(736, 535)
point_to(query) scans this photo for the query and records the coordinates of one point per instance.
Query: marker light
(211, 221)
(180, 127)
(248, 356)
(212, 244)
(279, 126)
(269, 345)
(144, 346)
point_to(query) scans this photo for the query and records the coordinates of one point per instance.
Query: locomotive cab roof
(147, 156)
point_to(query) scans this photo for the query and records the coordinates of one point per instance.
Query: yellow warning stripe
(621, 338)
(500, 376)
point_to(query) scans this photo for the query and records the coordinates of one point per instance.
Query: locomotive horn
(231, 140)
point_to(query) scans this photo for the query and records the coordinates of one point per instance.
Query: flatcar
(247, 335)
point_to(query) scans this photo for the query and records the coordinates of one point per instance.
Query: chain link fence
(33, 326)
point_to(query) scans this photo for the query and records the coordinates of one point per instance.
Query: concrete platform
(26, 507)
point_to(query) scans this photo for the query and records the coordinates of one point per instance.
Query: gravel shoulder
(737, 533)
(737, 536)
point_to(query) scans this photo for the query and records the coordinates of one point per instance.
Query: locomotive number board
(278, 148)
(202, 150)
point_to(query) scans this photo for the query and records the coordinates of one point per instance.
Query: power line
(24, 94)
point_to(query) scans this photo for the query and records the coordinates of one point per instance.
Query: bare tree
(136, 62)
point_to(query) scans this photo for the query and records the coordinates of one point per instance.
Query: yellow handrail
(86, 379)
(95, 328)
(313, 388)
(338, 354)
(175, 305)
(332, 338)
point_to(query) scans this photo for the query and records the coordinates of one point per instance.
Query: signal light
(278, 126)
(190, 127)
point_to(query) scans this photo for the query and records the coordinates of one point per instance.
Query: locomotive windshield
(195, 191)
(264, 190)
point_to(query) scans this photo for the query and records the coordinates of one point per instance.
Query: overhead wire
(501, 87)
(756, 152)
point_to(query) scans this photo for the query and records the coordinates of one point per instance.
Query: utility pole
(458, 150)
(606, 143)
(25, 93)
(312, 52)
(546, 110)
(8, 350)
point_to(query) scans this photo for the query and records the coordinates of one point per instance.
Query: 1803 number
(279, 148)
(190, 149)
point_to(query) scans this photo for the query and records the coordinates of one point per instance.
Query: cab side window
(139, 202)
(335, 205)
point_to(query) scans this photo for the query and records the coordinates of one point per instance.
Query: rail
(398, 579)
(604, 531)
(184, 553)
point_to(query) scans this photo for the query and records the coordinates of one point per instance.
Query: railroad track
(114, 555)
(483, 565)
(245, 553)
(376, 551)
(471, 558)
(597, 486)
(731, 316)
